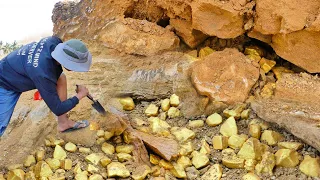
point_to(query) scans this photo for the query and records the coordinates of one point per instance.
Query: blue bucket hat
(73, 55)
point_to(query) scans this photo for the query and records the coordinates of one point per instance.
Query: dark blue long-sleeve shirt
(32, 67)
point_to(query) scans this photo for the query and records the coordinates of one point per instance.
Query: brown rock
(300, 48)
(184, 30)
(132, 40)
(217, 18)
(164, 147)
(225, 76)
(284, 16)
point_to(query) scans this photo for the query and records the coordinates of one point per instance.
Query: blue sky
(25, 19)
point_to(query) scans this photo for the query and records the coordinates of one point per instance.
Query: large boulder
(217, 18)
(294, 107)
(284, 16)
(301, 48)
(226, 76)
(139, 37)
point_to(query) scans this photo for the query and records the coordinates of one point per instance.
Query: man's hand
(82, 91)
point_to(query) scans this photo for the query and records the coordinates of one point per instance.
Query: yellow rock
(230, 159)
(15, 166)
(108, 148)
(205, 148)
(245, 114)
(124, 149)
(77, 168)
(42, 169)
(267, 163)
(105, 161)
(165, 164)
(220, 142)
(122, 157)
(100, 141)
(214, 173)
(264, 148)
(71, 147)
(184, 161)
(178, 171)
(254, 58)
(287, 158)
(96, 177)
(231, 113)
(81, 176)
(116, 169)
(290, 145)
(40, 155)
(16, 174)
(205, 52)
(108, 135)
(214, 119)
(264, 125)
(30, 160)
(268, 90)
(251, 149)
(100, 133)
(154, 159)
(229, 127)
(271, 137)
(152, 110)
(199, 160)
(2, 177)
(183, 134)
(236, 141)
(174, 100)
(94, 158)
(28, 176)
(310, 166)
(173, 112)
(163, 116)
(278, 71)
(127, 103)
(59, 142)
(58, 175)
(250, 176)
(250, 164)
(186, 149)
(196, 124)
(266, 65)
(165, 105)
(59, 153)
(156, 170)
(158, 126)
(255, 50)
(92, 169)
(53, 163)
(66, 164)
(141, 174)
(84, 150)
(255, 130)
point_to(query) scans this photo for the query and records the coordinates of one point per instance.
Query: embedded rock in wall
(185, 31)
(216, 18)
(226, 76)
(301, 48)
(176, 8)
(138, 37)
(284, 16)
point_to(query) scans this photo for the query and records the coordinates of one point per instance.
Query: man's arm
(48, 91)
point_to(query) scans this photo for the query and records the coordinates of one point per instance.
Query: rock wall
(291, 28)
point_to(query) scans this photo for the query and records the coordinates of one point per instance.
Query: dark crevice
(164, 22)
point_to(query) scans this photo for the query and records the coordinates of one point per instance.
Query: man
(39, 66)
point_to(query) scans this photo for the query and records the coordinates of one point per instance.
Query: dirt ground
(206, 133)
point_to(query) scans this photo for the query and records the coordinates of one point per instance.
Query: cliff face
(291, 27)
